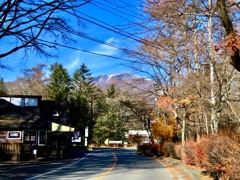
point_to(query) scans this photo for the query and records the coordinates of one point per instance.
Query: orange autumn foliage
(162, 130)
(232, 43)
(165, 103)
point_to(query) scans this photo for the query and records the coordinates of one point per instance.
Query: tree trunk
(211, 53)
(183, 130)
(228, 26)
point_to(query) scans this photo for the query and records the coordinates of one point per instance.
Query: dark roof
(17, 117)
(10, 111)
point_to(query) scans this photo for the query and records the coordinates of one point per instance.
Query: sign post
(86, 136)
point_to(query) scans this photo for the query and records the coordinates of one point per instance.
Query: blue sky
(72, 59)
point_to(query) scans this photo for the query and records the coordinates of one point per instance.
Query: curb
(191, 173)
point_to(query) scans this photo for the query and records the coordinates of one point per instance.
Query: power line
(112, 12)
(130, 5)
(101, 42)
(86, 51)
(141, 24)
(128, 35)
(118, 9)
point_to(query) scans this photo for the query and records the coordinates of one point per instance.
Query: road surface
(98, 164)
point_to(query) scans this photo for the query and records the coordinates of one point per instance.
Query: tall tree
(226, 12)
(111, 123)
(36, 79)
(181, 64)
(82, 82)
(82, 101)
(59, 83)
(28, 25)
(140, 109)
(32, 82)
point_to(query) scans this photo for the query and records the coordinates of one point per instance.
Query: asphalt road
(98, 164)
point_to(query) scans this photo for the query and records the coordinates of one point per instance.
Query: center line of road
(40, 175)
(110, 169)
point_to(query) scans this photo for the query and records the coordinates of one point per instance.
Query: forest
(190, 50)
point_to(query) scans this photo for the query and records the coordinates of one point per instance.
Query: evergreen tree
(82, 82)
(112, 91)
(82, 100)
(60, 83)
(110, 124)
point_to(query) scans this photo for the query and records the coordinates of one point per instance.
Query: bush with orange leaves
(186, 152)
(221, 156)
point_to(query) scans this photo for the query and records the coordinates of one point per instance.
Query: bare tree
(29, 25)
(184, 64)
(33, 82)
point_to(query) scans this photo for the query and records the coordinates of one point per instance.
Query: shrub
(199, 155)
(168, 149)
(143, 148)
(148, 149)
(221, 156)
(154, 149)
(188, 154)
(178, 150)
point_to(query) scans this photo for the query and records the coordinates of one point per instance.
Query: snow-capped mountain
(122, 80)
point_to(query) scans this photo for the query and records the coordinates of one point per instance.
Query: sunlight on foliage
(164, 128)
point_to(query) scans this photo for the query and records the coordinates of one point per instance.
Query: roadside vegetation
(190, 51)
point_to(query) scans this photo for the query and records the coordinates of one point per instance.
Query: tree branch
(228, 26)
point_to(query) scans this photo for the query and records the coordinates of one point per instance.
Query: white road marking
(58, 168)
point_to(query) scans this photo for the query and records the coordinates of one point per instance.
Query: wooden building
(33, 128)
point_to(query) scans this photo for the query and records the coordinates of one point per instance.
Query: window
(42, 138)
(30, 102)
(30, 137)
(22, 101)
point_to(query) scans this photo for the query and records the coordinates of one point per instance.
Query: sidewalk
(189, 172)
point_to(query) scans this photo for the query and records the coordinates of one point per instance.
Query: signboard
(14, 135)
(86, 131)
(76, 134)
(76, 140)
(86, 143)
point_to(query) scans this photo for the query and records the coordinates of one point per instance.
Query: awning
(61, 128)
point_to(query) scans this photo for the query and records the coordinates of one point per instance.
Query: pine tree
(60, 83)
(83, 96)
(112, 91)
(82, 82)
(110, 124)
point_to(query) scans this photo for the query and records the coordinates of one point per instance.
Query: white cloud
(105, 49)
(73, 64)
(96, 64)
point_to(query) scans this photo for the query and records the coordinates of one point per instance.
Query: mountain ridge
(122, 80)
